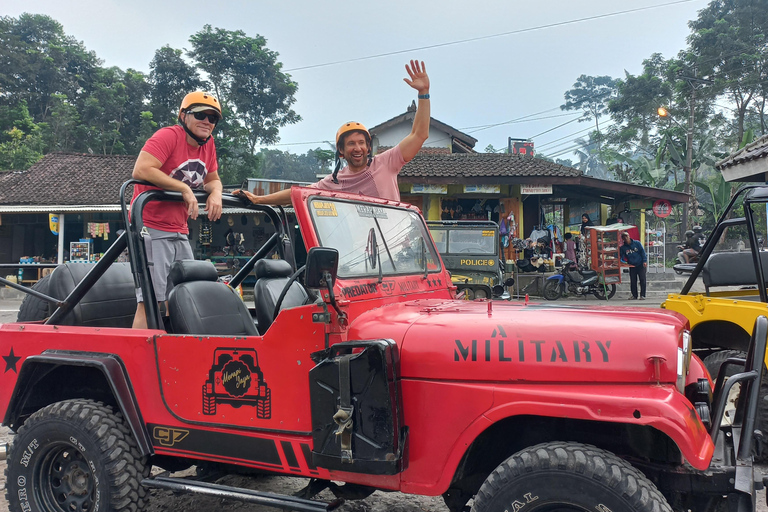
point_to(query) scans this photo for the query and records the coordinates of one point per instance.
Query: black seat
(111, 302)
(271, 278)
(199, 304)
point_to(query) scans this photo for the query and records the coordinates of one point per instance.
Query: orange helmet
(199, 100)
(352, 126)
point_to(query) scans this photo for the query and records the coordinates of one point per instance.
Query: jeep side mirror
(321, 261)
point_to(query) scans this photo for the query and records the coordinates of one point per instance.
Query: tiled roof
(68, 179)
(752, 151)
(483, 165)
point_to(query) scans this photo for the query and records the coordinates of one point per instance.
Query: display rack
(655, 247)
(79, 251)
(604, 244)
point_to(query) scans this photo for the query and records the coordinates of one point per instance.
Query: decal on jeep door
(498, 348)
(235, 379)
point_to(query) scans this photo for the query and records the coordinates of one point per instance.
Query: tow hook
(3, 451)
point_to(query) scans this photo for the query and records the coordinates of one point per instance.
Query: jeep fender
(659, 407)
(35, 368)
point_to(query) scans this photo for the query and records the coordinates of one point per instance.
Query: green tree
(20, 151)
(636, 102)
(170, 78)
(255, 94)
(728, 43)
(62, 130)
(38, 60)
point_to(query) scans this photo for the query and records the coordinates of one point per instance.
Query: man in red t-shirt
(177, 158)
(364, 173)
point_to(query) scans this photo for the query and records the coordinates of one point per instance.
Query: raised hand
(419, 79)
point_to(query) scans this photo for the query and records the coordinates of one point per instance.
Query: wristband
(424, 96)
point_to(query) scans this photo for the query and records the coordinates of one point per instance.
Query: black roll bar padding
(756, 260)
(139, 264)
(98, 270)
(746, 407)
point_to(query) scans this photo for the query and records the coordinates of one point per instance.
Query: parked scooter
(689, 251)
(577, 282)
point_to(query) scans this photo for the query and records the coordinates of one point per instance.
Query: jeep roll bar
(135, 224)
(759, 196)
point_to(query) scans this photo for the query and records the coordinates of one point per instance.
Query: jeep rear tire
(33, 309)
(75, 455)
(567, 476)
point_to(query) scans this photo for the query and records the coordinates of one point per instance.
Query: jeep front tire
(75, 455)
(572, 476)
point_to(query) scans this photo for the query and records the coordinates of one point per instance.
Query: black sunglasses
(212, 118)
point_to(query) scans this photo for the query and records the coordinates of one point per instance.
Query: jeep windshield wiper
(386, 247)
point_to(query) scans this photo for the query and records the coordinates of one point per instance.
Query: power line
(501, 34)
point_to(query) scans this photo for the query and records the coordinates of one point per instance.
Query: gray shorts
(163, 248)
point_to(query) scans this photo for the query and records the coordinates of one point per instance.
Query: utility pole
(692, 81)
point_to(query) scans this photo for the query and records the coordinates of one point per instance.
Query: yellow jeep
(723, 316)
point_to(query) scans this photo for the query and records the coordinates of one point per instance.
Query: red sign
(662, 208)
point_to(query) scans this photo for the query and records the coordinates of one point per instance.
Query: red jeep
(378, 378)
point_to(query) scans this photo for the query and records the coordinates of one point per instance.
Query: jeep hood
(514, 342)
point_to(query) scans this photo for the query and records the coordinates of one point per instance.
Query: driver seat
(271, 278)
(199, 304)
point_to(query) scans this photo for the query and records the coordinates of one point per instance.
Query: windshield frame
(386, 246)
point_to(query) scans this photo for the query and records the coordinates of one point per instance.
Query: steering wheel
(287, 286)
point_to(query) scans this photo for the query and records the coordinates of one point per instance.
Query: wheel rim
(480, 294)
(64, 481)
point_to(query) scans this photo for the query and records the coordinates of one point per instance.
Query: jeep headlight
(683, 360)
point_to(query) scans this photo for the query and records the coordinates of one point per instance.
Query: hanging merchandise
(205, 236)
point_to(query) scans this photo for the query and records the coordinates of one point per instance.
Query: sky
(476, 80)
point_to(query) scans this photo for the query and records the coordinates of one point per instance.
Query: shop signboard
(482, 189)
(421, 188)
(535, 189)
(662, 208)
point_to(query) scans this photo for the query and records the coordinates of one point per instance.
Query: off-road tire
(573, 476)
(33, 309)
(75, 455)
(552, 289)
(264, 407)
(604, 293)
(713, 362)
(209, 403)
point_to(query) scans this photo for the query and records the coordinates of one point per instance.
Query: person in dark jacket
(633, 254)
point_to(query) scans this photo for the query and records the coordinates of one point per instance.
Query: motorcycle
(577, 282)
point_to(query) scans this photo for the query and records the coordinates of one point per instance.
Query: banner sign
(53, 223)
(535, 189)
(417, 188)
(482, 189)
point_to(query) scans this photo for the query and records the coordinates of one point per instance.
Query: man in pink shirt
(364, 173)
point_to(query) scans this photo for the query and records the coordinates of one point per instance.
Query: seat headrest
(184, 271)
(272, 268)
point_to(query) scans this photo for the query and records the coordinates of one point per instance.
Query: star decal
(10, 361)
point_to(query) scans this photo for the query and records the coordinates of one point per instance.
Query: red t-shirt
(180, 161)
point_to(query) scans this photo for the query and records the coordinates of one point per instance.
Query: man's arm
(213, 186)
(147, 168)
(419, 80)
(281, 198)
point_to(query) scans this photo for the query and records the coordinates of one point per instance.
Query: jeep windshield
(373, 239)
(480, 240)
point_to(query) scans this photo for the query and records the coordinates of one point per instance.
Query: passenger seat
(271, 278)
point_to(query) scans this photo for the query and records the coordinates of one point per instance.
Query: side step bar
(280, 501)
